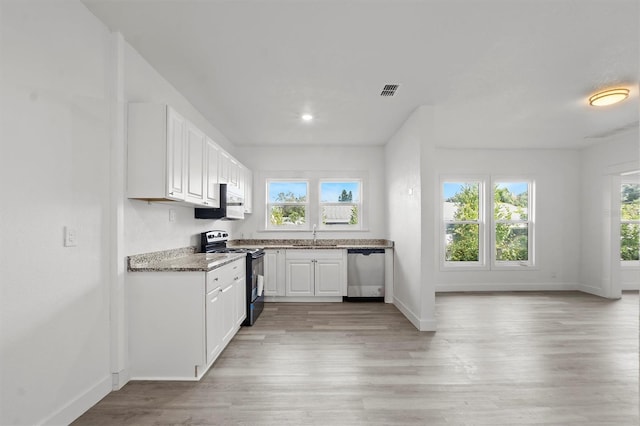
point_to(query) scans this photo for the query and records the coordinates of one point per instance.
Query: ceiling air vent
(389, 89)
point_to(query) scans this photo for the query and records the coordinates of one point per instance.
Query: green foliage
(629, 241)
(288, 214)
(464, 242)
(464, 239)
(630, 232)
(467, 203)
(354, 214)
(512, 240)
(290, 197)
(630, 192)
(346, 196)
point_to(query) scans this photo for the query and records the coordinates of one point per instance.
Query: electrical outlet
(70, 237)
(172, 215)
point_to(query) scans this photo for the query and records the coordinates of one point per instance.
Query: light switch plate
(70, 236)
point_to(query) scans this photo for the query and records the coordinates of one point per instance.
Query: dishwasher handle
(365, 251)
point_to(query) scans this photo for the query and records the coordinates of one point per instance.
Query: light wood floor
(561, 358)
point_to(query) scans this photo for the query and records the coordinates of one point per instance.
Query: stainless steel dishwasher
(365, 275)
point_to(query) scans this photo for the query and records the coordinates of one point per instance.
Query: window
(287, 204)
(512, 223)
(508, 225)
(463, 227)
(630, 223)
(340, 204)
(297, 200)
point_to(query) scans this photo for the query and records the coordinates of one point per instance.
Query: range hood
(231, 206)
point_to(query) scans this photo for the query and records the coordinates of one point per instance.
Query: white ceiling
(499, 74)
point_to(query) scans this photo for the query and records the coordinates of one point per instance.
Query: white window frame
(481, 263)
(358, 205)
(514, 264)
(269, 205)
(626, 179)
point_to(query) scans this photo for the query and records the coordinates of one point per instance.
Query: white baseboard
(420, 324)
(119, 379)
(550, 286)
(81, 403)
(305, 299)
(596, 291)
(630, 285)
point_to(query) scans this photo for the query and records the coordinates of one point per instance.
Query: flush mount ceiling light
(307, 117)
(609, 97)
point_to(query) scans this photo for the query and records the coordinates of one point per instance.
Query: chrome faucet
(314, 233)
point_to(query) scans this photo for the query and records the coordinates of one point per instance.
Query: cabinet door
(176, 131)
(299, 278)
(213, 189)
(248, 191)
(195, 165)
(214, 324)
(223, 167)
(228, 309)
(328, 275)
(234, 176)
(274, 273)
(241, 300)
(271, 273)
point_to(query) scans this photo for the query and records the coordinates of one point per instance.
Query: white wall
(404, 216)
(332, 160)
(55, 160)
(557, 217)
(600, 271)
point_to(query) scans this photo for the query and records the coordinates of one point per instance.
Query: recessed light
(307, 117)
(609, 97)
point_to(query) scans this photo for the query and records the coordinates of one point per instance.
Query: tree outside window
(630, 222)
(462, 214)
(340, 204)
(464, 230)
(287, 204)
(512, 222)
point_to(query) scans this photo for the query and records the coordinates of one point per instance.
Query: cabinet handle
(215, 279)
(206, 203)
(171, 193)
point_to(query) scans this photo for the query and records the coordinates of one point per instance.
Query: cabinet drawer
(225, 274)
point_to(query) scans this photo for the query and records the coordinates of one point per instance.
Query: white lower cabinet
(214, 327)
(274, 272)
(179, 322)
(315, 273)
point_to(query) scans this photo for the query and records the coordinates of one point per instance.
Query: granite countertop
(183, 259)
(308, 243)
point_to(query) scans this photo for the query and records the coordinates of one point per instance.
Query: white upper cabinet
(223, 167)
(196, 171)
(213, 189)
(170, 159)
(234, 176)
(156, 148)
(175, 154)
(246, 181)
